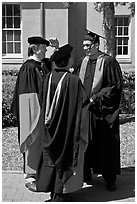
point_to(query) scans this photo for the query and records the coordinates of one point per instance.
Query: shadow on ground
(98, 192)
(126, 119)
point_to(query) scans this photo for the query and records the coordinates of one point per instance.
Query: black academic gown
(60, 137)
(103, 152)
(26, 107)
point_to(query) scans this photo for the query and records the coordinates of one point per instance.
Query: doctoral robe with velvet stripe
(63, 144)
(26, 107)
(103, 153)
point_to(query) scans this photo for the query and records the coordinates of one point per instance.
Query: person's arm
(107, 100)
(54, 43)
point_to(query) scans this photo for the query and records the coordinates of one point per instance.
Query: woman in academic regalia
(63, 143)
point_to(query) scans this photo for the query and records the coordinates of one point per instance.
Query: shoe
(31, 186)
(112, 186)
(86, 185)
(89, 182)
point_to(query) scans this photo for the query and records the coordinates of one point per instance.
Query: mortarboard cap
(94, 37)
(64, 52)
(37, 40)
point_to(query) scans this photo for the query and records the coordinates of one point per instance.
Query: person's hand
(71, 69)
(90, 108)
(91, 100)
(54, 43)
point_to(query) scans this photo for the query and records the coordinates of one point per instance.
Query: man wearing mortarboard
(61, 169)
(26, 106)
(102, 78)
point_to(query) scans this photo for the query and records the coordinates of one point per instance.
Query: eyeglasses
(86, 45)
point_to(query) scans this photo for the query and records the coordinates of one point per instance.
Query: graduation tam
(63, 53)
(93, 37)
(38, 40)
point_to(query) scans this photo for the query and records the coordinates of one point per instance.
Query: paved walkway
(13, 190)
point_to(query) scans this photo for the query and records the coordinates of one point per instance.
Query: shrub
(8, 84)
(128, 97)
(11, 72)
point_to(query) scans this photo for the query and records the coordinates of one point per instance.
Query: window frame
(128, 56)
(14, 55)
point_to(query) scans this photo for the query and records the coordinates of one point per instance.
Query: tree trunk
(109, 27)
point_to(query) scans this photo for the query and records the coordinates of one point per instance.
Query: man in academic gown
(26, 106)
(102, 78)
(62, 141)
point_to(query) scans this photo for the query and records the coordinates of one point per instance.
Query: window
(122, 37)
(11, 30)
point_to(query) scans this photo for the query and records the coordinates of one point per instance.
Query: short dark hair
(62, 55)
(62, 63)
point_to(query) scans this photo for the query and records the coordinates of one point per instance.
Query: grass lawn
(12, 158)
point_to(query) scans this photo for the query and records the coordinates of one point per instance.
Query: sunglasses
(86, 45)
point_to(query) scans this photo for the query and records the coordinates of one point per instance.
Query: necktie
(83, 68)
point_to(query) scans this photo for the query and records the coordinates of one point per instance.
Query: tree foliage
(131, 6)
(99, 6)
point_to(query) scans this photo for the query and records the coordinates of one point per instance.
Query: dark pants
(109, 178)
(87, 164)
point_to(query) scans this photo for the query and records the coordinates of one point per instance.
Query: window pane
(119, 41)
(9, 22)
(119, 31)
(9, 35)
(125, 50)
(11, 32)
(125, 41)
(116, 51)
(126, 21)
(122, 35)
(17, 35)
(3, 22)
(17, 22)
(115, 30)
(9, 10)
(9, 47)
(125, 30)
(17, 48)
(116, 41)
(16, 10)
(3, 48)
(115, 21)
(120, 21)
(3, 35)
(119, 50)
(3, 9)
